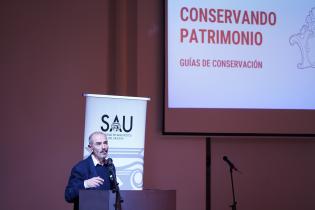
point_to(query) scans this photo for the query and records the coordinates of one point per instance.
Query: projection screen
(240, 67)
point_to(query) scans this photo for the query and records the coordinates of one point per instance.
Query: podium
(133, 200)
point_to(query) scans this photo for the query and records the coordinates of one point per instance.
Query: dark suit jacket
(83, 170)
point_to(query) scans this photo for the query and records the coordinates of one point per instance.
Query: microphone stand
(233, 206)
(118, 199)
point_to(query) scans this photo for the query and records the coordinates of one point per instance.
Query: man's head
(99, 145)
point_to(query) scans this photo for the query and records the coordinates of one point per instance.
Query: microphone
(225, 158)
(114, 183)
(109, 161)
(112, 174)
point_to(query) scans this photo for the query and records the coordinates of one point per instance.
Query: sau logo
(115, 125)
(306, 41)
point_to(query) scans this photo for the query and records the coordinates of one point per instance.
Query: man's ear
(89, 148)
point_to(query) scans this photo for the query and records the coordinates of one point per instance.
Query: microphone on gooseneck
(114, 183)
(110, 166)
(109, 161)
(112, 175)
(226, 159)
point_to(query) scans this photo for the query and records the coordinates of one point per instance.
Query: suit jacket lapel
(92, 170)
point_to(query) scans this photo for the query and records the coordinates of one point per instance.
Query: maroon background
(53, 51)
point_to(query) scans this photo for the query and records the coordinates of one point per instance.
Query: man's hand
(93, 182)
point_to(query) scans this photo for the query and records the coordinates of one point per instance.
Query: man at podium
(92, 172)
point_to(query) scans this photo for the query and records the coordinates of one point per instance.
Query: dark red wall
(276, 173)
(53, 51)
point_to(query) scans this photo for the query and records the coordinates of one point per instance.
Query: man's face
(99, 146)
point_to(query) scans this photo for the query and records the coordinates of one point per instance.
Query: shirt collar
(96, 161)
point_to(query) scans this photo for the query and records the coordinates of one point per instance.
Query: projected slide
(241, 54)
